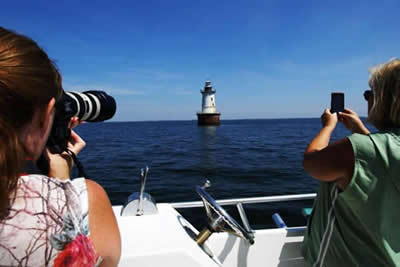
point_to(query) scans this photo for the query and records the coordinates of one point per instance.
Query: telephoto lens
(90, 106)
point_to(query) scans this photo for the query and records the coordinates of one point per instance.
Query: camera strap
(81, 171)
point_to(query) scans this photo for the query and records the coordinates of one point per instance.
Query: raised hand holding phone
(352, 121)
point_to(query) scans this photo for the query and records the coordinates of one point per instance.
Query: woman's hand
(352, 121)
(60, 165)
(73, 122)
(328, 119)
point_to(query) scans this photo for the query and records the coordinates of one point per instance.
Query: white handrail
(249, 200)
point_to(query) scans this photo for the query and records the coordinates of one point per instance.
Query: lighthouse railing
(208, 91)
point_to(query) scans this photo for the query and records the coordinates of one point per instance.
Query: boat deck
(167, 239)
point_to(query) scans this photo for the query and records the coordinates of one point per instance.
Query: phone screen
(337, 102)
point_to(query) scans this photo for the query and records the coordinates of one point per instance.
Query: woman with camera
(355, 218)
(44, 220)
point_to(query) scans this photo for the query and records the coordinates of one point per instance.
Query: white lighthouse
(208, 114)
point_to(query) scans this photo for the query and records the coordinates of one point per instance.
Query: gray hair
(385, 84)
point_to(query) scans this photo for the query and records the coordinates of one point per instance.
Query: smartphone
(337, 102)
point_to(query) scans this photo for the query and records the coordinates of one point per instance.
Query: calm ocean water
(241, 158)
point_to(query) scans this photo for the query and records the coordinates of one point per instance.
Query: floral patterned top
(48, 224)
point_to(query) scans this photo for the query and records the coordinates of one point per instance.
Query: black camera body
(90, 106)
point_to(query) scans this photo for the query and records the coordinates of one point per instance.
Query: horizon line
(167, 120)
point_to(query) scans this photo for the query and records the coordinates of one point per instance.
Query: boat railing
(250, 200)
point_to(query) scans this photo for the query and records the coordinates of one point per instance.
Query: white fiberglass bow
(158, 235)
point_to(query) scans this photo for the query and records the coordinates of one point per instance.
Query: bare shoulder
(103, 226)
(95, 190)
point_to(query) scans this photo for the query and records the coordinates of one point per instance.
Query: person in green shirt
(355, 219)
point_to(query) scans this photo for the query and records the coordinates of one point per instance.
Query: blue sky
(266, 59)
